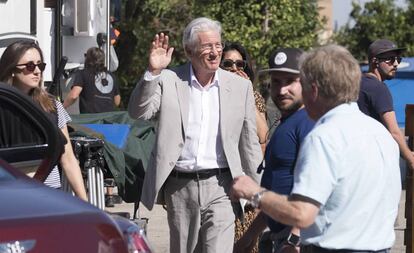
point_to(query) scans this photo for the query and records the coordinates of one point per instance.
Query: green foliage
(263, 26)
(260, 25)
(377, 19)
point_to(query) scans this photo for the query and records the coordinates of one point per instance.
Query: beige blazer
(167, 98)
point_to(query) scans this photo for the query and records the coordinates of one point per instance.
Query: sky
(342, 8)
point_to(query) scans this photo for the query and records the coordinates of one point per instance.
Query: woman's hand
(242, 74)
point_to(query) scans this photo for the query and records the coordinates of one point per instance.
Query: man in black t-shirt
(95, 86)
(97, 93)
(375, 99)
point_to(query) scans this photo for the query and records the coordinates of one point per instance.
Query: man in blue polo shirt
(282, 149)
(375, 99)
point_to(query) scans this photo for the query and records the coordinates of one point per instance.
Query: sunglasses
(228, 64)
(390, 59)
(30, 66)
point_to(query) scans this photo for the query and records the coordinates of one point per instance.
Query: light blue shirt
(349, 163)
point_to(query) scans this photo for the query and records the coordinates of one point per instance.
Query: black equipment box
(89, 152)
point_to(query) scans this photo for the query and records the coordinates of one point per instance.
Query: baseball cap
(285, 60)
(383, 46)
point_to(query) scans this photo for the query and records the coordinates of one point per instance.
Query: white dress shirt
(203, 148)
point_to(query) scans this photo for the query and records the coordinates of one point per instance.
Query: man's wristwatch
(293, 240)
(255, 200)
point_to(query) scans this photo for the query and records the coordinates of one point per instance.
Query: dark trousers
(271, 242)
(316, 249)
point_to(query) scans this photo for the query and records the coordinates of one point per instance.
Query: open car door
(29, 140)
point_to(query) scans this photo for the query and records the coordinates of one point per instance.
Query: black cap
(285, 60)
(383, 46)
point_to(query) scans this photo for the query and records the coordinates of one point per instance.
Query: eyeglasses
(209, 47)
(390, 59)
(30, 66)
(228, 64)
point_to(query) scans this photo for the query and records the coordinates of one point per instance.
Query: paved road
(157, 229)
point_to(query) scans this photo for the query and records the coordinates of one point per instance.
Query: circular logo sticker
(280, 58)
(104, 82)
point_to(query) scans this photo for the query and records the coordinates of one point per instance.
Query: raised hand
(160, 54)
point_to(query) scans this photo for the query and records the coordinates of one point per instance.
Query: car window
(5, 175)
(29, 137)
(20, 130)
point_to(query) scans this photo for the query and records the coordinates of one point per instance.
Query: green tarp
(128, 164)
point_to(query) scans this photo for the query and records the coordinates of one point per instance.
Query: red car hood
(54, 220)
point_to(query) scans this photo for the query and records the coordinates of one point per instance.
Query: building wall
(325, 12)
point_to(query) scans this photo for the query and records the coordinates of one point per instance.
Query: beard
(288, 109)
(387, 75)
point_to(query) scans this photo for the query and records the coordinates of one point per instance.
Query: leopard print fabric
(260, 102)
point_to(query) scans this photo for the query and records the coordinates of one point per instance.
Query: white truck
(63, 28)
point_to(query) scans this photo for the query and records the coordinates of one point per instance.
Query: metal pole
(92, 186)
(108, 33)
(100, 188)
(409, 197)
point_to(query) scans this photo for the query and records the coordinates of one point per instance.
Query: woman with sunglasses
(22, 65)
(236, 59)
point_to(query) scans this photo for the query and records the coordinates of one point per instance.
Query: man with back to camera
(98, 92)
(282, 149)
(341, 200)
(96, 88)
(206, 136)
(375, 99)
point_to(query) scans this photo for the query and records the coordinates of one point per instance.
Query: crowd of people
(331, 176)
(326, 180)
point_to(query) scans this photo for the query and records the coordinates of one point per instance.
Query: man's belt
(199, 174)
(316, 249)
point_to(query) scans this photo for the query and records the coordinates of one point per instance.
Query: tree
(141, 21)
(260, 25)
(378, 19)
(263, 26)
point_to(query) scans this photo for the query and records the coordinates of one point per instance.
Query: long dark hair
(95, 60)
(243, 52)
(8, 61)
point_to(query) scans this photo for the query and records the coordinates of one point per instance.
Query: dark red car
(36, 218)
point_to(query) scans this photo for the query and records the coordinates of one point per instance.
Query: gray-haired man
(206, 136)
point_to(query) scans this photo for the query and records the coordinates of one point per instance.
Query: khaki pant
(200, 214)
